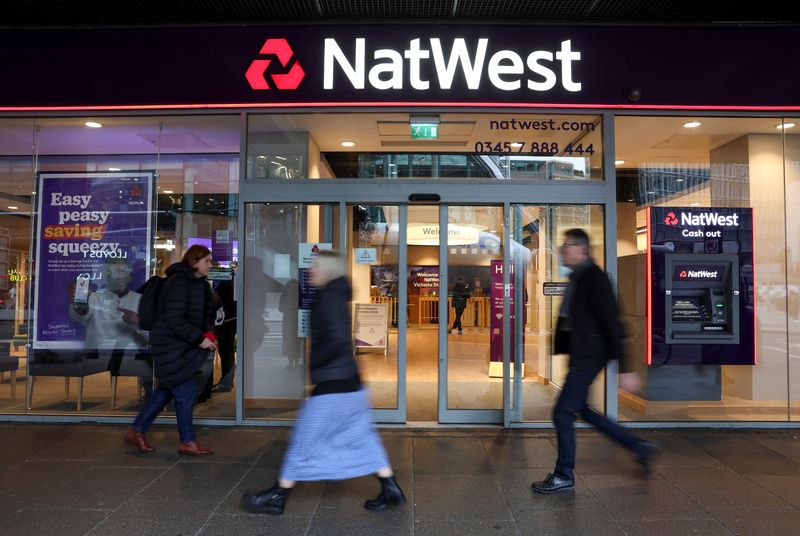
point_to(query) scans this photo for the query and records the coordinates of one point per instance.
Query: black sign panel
(458, 65)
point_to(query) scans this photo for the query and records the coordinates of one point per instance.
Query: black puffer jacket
(185, 312)
(331, 335)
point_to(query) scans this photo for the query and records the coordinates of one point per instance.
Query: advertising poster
(371, 325)
(222, 246)
(496, 321)
(701, 286)
(307, 252)
(92, 249)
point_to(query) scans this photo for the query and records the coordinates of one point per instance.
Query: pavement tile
(787, 444)
(598, 455)
(165, 516)
(639, 499)
(98, 489)
(555, 522)
(785, 487)
(747, 522)
(19, 442)
(52, 523)
(74, 445)
(254, 525)
(676, 450)
(744, 455)
(27, 480)
(352, 493)
(451, 456)
(674, 527)
(714, 487)
(445, 497)
(235, 444)
(357, 521)
(205, 482)
(521, 452)
(475, 527)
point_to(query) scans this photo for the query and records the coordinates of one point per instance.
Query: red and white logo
(671, 219)
(684, 274)
(285, 80)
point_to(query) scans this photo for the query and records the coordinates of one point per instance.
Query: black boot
(270, 501)
(390, 495)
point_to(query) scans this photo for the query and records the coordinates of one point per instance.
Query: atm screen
(696, 272)
(689, 309)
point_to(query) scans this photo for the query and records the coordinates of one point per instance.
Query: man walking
(589, 331)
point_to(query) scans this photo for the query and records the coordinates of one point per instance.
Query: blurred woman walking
(334, 438)
(182, 339)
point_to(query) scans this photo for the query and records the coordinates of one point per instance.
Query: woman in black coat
(182, 339)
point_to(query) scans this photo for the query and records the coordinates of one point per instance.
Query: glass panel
(280, 241)
(16, 273)
(695, 164)
(423, 313)
(374, 258)
(138, 191)
(539, 282)
(356, 145)
(792, 170)
(475, 304)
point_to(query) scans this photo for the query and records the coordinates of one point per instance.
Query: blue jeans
(184, 395)
(573, 400)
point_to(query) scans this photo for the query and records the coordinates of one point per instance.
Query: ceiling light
(691, 124)
(168, 191)
(784, 125)
(93, 124)
(348, 143)
(279, 157)
(678, 180)
(619, 162)
(694, 204)
(13, 207)
(114, 169)
(516, 144)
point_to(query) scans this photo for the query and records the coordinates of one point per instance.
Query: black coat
(595, 333)
(331, 334)
(461, 294)
(185, 312)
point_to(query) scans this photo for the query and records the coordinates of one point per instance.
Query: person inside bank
(461, 295)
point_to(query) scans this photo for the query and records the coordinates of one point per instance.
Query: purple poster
(496, 322)
(92, 252)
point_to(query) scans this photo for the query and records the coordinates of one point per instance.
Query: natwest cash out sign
(421, 64)
(705, 224)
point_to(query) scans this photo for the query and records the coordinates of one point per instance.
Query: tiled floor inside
(80, 479)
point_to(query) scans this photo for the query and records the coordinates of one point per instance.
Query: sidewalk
(73, 480)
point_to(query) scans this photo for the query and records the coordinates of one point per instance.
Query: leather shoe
(193, 448)
(390, 495)
(553, 484)
(137, 439)
(270, 501)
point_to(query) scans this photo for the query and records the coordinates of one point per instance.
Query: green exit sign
(424, 132)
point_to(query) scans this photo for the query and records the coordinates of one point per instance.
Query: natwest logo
(701, 274)
(671, 219)
(288, 79)
(506, 70)
(709, 218)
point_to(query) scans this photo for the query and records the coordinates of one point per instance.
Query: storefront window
(701, 209)
(400, 146)
(115, 200)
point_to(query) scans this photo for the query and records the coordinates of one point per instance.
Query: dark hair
(579, 236)
(195, 254)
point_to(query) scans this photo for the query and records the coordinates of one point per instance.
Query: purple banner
(92, 252)
(496, 322)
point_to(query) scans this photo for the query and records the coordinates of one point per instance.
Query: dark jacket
(595, 333)
(185, 312)
(461, 294)
(331, 334)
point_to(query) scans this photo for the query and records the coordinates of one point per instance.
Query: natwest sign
(474, 62)
(710, 218)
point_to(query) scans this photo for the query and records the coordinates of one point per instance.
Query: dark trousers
(573, 400)
(457, 321)
(226, 346)
(184, 404)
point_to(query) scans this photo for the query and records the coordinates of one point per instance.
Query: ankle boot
(193, 448)
(269, 501)
(390, 495)
(137, 439)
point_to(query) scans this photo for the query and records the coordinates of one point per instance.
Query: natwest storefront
(424, 154)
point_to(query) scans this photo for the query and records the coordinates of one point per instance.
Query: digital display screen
(689, 309)
(699, 272)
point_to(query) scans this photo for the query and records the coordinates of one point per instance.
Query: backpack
(148, 304)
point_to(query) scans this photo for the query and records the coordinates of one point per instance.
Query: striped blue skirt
(334, 439)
